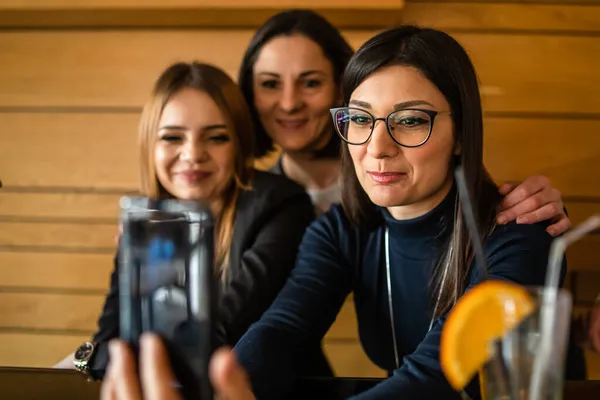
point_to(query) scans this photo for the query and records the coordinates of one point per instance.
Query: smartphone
(166, 270)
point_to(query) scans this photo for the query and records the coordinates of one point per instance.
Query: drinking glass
(520, 363)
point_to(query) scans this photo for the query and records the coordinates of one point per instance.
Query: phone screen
(165, 283)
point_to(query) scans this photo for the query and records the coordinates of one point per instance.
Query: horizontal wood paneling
(193, 13)
(107, 83)
(567, 151)
(502, 16)
(27, 350)
(56, 270)
(513, 149)
(234, 4)
(197, 13)
(90, 271)
(482, 16)
(64, 312)
(67, 235)
(344, 327)
(527, 2)
(34, 350)
(70, 102)
(586, 286)
(519, 73)
(221, 18)
(50, 311)
(59, 205)
(592, 359)
(81, 150)
(535, 73)
(580, 211)
(19, 206)
(349, 359)
(583, 255)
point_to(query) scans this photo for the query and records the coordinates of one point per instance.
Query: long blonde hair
(226, 94)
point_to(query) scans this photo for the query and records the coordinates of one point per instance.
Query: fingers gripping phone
(166, 262)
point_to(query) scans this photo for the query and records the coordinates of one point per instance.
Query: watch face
(84, 351)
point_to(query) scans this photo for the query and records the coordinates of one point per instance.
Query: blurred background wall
(74, 75)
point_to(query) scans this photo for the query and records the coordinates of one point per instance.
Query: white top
(322, 199)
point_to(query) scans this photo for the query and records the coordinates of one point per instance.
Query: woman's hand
(156, 379)
(532, 201)
(228, 378)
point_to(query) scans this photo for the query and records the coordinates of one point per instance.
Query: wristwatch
(83, 358)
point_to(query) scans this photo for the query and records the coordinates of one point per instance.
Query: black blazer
(269, 224)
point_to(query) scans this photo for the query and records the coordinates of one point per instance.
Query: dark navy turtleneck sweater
(336, 258)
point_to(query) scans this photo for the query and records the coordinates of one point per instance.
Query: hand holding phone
(166, 284)
(155, 377)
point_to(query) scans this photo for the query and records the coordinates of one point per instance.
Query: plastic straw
(469, 214)
(549, 299)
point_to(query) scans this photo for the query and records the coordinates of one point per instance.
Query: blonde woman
(197, 143)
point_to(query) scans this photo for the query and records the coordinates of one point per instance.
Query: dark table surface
(36, 383)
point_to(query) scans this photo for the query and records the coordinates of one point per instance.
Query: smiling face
(194, 154)
(408, 181)
(294, 88)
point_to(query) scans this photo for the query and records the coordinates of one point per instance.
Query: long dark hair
(317, 29)
(444, 62)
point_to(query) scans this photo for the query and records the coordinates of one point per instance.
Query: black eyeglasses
(410, 127)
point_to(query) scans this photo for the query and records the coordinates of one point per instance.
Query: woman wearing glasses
(399, 241)
(290, 76)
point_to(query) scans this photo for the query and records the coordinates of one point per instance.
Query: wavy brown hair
(226, 94)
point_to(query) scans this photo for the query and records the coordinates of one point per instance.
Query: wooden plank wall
(73, 79)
